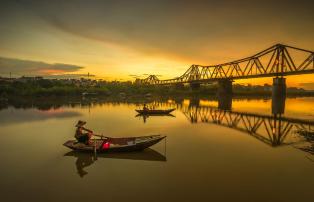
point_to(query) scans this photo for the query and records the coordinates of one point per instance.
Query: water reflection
(44, 104)
(221, 146)
(274, 130)
(309, 137)
(82, 160)
(12, 116)
(146, 116)
(85, 159)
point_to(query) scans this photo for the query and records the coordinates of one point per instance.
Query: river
(243, 154)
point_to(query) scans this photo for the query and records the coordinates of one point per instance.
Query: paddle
(95, 150)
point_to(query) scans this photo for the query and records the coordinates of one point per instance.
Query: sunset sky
(115, 39)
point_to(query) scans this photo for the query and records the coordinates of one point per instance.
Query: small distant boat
(111, 144)
(148, 95)
(148, 115)
(154, 111)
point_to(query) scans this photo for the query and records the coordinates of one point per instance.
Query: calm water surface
(209, 154)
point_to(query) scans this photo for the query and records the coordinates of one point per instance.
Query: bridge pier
(194, 102)
(224, 87)
(224, 94)
(278, 95)
(195, 85)
(225, 102)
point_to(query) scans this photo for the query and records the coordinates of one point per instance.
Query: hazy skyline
(113, 39)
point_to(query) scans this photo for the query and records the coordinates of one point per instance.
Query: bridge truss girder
(274, 61)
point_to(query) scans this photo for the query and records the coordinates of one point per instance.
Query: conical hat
(80, 123)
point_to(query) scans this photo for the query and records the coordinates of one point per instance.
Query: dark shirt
(79, 132)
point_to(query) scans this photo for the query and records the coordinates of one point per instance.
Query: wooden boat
(148, 115)
(111, 144)
(154, 111)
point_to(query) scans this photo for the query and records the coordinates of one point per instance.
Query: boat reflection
(146, 116)
(85, 159)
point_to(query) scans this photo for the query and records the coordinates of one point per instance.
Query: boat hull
(156, 111)
(116, 144)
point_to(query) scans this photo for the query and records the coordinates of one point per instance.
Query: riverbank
(131, 90)
(128, 90)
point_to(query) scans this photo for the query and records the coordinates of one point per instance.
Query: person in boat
(79, 133)
(145, 108)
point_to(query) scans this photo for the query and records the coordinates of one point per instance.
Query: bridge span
(277, 61)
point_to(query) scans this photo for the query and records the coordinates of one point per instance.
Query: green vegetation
(45, 87)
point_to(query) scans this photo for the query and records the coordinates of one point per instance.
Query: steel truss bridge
(278, 60)
(273, 130)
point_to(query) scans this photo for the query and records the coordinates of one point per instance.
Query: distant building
(25, 79)
(6, 79)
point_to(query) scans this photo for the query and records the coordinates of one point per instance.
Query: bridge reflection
(274, 130)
